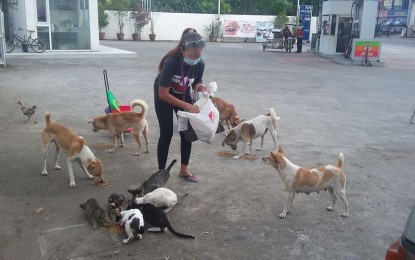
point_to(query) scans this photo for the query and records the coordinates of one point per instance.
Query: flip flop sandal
(189, 178)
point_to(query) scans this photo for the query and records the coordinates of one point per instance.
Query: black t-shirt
(171, 76)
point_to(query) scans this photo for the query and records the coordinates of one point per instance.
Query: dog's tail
(142, 104)
(47, 116)
(274, 117)
(340, 161)
(171, 165)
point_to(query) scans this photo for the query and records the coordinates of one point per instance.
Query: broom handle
(107, 86)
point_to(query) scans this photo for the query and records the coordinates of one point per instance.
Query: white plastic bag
(204, 123)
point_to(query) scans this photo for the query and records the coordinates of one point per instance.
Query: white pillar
(368, 25)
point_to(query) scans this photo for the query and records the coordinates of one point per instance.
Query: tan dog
(250, 130)
(76, 148)
(298, 179)
(116, 124)
(227, 113)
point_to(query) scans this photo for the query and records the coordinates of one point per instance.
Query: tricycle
(274, 39)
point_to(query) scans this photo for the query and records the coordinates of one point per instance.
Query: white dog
(299, 179)
(161, 197)
(252, 129)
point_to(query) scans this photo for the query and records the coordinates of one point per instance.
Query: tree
(140, 18)
(121, 8)
(281, 20)
(102, 17)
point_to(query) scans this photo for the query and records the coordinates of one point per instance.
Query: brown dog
(76, 148)
(116, 124)
(227, 113)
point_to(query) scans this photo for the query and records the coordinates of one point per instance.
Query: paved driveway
(325, 108)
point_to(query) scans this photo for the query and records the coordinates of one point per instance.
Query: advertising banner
(262, 28)
(305, 15)
(359, 49)
(239, 29)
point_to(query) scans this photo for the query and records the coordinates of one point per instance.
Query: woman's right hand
(191, 108)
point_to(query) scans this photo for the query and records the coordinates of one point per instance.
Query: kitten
(157, 180)
(115, 201)
(162, 198)
(133, 222)
(95, 213)
(156, 218)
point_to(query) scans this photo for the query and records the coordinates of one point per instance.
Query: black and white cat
(133, 222)
(156, 217)
(156, 180)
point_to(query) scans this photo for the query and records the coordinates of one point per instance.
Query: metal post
(218, 8)
(298, 12)
(409, 32)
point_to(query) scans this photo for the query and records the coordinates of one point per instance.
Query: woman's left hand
(200, 88)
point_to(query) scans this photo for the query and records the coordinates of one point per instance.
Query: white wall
(169, 26)
(328, 44)
(337, 7)
(17, 16)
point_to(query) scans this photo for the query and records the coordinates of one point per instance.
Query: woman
(179, 70)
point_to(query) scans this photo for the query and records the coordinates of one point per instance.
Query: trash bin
(25, 47)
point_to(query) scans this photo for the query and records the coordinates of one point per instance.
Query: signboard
(262, 28)
(305, 15)
(360, 46)
(243, 29)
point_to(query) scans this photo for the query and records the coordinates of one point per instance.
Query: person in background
(179, 70)
(286, 32)
(300, 35)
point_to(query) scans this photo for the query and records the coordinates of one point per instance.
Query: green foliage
(213, 29)
(120, 5)
(102, 17)
(192, 6)
(140, 18)
(281, 20)
(247, 7)
(121, 8)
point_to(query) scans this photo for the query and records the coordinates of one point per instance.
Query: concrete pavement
(325, 108)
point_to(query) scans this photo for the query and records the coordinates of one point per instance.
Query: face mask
(191, 62)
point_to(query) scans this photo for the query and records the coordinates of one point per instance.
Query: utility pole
(218, 8)
(409, 31)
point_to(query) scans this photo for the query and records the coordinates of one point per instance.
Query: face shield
(194, 44)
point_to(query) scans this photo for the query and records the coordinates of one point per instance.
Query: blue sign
(305, 16)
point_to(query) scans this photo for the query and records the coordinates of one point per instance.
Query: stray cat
(133, 222)
(95, 213)
(157, 180)
(115, 201)
(162, 198)
(156, 218)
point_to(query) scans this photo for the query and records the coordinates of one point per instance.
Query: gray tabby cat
(157, 180)
(95, 213)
